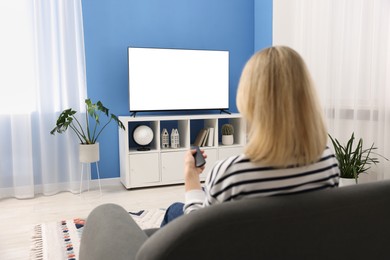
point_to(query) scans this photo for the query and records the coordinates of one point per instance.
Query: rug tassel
(36, 252)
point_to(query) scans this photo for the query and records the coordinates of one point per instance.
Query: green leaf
(102, 108)
(118, 122)
(68, 120)
(353, 160)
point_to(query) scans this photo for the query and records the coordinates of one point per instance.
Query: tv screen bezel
(225, 109)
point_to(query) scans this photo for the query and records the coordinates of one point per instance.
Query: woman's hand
(191, 172)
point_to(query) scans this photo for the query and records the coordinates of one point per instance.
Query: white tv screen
(177, 79)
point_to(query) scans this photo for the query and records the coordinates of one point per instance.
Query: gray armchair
(344, 223)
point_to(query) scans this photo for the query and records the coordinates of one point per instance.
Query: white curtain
(42, 68)
(346, 44)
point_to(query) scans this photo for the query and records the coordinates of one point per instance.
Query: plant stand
(89, 154)
(89, 176)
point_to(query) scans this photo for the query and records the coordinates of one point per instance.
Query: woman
(286, 151)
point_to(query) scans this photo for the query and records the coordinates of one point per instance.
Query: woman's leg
(110, 233)
(174, 211)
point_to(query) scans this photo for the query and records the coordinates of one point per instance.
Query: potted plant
(353, 160)
(227, 131)
(90, 132)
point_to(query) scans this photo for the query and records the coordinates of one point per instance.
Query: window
(17, 61)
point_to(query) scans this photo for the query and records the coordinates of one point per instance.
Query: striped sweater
(237, 178)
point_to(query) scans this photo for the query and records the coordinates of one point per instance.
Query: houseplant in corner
(353, 160)
(227, 131)
(90, 132)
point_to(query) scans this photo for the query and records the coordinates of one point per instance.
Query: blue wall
(263, 24)
(111, 26)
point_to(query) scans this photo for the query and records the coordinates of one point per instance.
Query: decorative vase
(175, 140)
(346, 182)
(164, 138)
(89, 153)
(227, 139)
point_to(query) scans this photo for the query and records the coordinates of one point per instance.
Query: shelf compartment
(183, 129)
(196, 125)
(239, 130)
(133, 146)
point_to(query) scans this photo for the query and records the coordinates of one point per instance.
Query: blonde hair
(277, 97)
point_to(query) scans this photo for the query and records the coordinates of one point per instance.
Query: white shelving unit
(164, 166)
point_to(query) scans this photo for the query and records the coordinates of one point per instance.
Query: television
(177, 79)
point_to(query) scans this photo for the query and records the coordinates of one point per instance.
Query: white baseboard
(107, 182)
(29, 192)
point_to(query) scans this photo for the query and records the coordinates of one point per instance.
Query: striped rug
(60, 240)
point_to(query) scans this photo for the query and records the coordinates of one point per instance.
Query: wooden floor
(18, 217)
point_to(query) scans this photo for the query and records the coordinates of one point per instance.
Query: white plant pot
(346, 182)
(89, 153)
(227, 139)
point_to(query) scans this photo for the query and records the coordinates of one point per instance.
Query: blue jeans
(173, 211)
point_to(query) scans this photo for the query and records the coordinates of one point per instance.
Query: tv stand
(164, 166)
(224, 111)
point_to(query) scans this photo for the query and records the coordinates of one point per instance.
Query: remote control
(199, 159)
